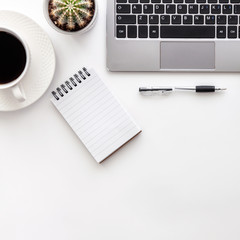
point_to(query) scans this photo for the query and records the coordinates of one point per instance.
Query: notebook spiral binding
(71, 83)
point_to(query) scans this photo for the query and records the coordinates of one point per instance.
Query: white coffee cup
(15, 85)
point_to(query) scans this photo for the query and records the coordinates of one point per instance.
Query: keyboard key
(235, 1)
(170, 8)
(193, 9)
(227, 9)
(123, 8)
(133, 1)
(181, 9)
(201, 1)
(189, 1)
(155, 1)
(144, 1)
(210, 19)
(223, 1)
(121, 31)
(236, 9)
(221, 19)
(187, 19)
(167, 1)
(187, 31)
(198, 19)
(142, 31)
(232, 19)
(136, 8)
(148, 8)
(216, 9)
(159, 8)
(154, 32)
(126, 19)
(232, 32)
(142, 19)
(212, 1)
(153, 19)
(165, 19)
(132, 31)
(204, 9)
(178, 1)
(221, 32)
(176, 19)
(121, 1)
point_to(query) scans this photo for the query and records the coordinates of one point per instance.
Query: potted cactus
(70, 16)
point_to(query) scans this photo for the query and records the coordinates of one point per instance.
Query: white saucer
(42, 60)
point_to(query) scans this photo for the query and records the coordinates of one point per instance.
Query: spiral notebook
(94, 114)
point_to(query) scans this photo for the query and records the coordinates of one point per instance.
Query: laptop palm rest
(187, 55)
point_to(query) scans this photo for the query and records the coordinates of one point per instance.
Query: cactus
(71, 15)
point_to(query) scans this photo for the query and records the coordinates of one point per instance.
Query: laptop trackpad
(187, 55)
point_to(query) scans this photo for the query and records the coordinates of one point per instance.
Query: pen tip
(220, 89)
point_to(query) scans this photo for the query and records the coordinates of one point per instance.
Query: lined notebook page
(96, 117)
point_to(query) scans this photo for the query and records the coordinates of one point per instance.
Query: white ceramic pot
(86, 29)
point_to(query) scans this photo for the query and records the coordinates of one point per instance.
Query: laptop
(173, 35)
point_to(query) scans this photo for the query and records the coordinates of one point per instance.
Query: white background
(178, 180)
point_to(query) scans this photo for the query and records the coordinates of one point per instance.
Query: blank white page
(96, 116)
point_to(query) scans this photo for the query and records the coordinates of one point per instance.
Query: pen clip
(155, 90)
(166, 90)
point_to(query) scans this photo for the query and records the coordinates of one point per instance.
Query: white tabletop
(178, 180)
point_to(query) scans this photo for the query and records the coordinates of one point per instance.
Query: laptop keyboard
(177, 19)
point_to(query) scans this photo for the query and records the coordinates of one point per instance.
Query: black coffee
(12, 58)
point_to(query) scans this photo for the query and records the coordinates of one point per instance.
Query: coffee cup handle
(19, 93)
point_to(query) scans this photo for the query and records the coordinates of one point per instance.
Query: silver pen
(198, 89)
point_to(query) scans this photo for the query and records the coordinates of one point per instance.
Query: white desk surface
(178, 180)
